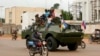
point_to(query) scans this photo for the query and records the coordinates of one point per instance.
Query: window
(24, 11)
(21, 19)
(10, 21)
(10, 17)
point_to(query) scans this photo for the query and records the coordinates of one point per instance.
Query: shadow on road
(63, 50)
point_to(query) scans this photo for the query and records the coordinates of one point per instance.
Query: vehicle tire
(98, 42)
(12, 38)
(27, 39)
(57, 45)
(27, 46)
(83, 45)
(51, 43)
(15, 37)
(44, 51)
(73, 47)
(31, 52)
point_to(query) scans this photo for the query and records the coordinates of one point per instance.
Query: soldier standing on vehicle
(48, 22)
(52, 13)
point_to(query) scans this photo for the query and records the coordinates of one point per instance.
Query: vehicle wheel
(57, 45)
(73, 47)
(13, 37)
(44, 51)
(98, 42)
(83, 45)
(51, 43)
(27, 39)
(27, 46)
(31, 52)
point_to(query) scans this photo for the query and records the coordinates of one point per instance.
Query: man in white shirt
(48, 22)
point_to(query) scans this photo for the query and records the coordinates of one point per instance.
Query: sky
(32, 3)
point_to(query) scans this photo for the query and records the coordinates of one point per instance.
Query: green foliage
(67, 15)
(2, 20)
(55, 6)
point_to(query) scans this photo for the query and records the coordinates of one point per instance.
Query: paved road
(17, 48)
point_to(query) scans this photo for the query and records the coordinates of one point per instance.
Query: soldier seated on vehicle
(63, 25)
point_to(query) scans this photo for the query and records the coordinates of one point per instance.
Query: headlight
(44, 42)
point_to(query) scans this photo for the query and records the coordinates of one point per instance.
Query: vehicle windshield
(73, 28)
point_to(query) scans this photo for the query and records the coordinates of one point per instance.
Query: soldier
(49, 22)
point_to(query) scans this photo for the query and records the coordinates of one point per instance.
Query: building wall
(16, 12)
(74, 11)
(90, 28)
(7, 15)
(91, 14)
(90, 10)
(13, 15)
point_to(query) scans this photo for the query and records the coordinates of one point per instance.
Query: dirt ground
(10, 47)
(8, 36)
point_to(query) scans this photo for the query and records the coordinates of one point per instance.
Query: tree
(67, 15)
(55, 6)
(2, 20)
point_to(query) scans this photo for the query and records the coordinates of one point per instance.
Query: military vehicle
(71, 37)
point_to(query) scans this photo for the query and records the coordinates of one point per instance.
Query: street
(10, 47)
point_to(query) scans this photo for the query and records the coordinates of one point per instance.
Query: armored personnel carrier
(70, 37)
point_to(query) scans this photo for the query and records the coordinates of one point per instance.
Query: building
(13, 17)
(90, 13)
(90, 10)
(13, 14)
(73, 10)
